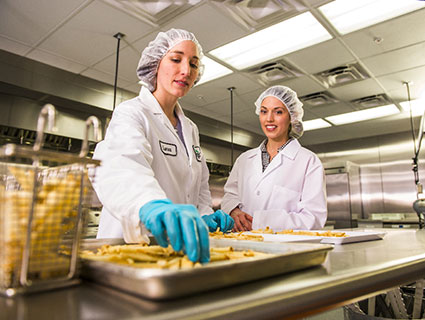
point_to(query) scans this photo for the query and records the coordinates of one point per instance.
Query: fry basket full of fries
(43, 196)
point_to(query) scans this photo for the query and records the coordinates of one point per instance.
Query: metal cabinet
(343, 193)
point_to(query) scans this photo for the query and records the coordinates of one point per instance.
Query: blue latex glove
(182, 224)
(219, 219)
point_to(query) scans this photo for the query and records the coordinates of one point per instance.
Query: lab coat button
(258, 193)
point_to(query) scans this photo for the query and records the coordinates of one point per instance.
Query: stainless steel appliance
(343, 193)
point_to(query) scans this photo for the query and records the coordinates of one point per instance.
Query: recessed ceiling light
(212, 70)
(287, 36)
(363, 115)
(315, 124)
(348, 15)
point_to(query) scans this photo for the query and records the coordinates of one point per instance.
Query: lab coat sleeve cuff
(229, 205)
(133, 230)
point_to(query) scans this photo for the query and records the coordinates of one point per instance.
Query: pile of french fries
(55, 204)
(145, 256)
(235, 235)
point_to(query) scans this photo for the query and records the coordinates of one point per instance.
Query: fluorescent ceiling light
(287, 36)
(212, 70)
(350, 15)
(362, 115)
(418, 107)
(315, 124)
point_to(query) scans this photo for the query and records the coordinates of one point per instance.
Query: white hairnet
(157, 49)
(292, 103)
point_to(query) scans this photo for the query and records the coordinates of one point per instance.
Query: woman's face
(275, 119)
(178, 70)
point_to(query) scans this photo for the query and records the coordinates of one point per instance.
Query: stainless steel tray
(160, 284)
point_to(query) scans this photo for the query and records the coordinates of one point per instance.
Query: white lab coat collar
(289, 152)
(150, 102)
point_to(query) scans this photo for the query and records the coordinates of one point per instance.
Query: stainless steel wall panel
(338, 197)
(372, 194)
(387, 180)
(398, 186)
(343, 193)
(355, 190)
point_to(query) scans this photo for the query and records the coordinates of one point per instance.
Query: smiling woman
(153, 175)
(280, 184)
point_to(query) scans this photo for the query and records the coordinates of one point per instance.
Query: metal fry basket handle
(49, 112)
(91, 121)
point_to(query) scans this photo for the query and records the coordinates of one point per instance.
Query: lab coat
(289, 194)
(143, 159)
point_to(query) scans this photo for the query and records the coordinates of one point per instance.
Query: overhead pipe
(231, 123)
(119, 36)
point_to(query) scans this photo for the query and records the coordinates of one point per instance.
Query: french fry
(237, 236)
(266, 230)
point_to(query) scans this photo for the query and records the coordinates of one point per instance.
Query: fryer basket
(43, 197)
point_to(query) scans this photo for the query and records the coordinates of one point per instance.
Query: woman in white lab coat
(279, 184)
(153, 176)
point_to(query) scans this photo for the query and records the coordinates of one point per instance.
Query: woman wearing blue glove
(153, 176)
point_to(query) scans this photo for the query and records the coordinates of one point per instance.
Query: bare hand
(243, 221)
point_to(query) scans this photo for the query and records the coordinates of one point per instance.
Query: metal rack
(43, 196)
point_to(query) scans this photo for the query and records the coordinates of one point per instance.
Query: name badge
(168, 149)
(198, 153)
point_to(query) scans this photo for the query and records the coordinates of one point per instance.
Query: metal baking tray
(161, 284)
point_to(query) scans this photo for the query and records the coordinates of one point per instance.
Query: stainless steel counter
(351, 272)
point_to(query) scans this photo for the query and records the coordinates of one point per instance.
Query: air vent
(342, 75)
(27, 137)
(153, 12)
(372, 101)
(274, 72)
(318, 99)
(259, 13)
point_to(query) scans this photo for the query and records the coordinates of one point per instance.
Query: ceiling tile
(395, 81)
(56, 61)
(128, 59)
(105, 77)
(211, 27)
(245, 120)
(29, 23)
(127, 64)
(219, 108)
(304, 85)
(400, 95)
(88, 37)
(326, 111)
(397, 60)
(327, 55)
(356, 90)
(249, 99)
(396, 33)
(13, 46)
(217, 90)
